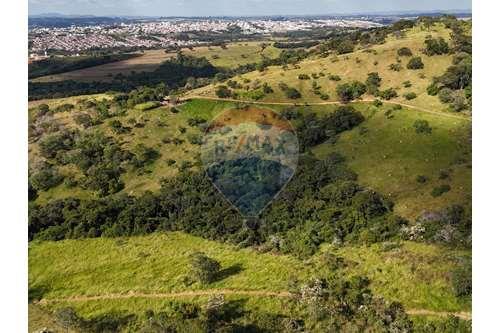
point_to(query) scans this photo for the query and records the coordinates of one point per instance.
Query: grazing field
(355, 66)
(68, 271)
(232, 56)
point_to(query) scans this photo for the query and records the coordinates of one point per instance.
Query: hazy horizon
(199, 8)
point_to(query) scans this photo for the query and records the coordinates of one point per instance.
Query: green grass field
(388, 155)
(415, 274)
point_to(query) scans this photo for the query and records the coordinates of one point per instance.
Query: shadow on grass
(229, 271)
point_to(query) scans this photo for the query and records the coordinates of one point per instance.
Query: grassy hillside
(385, 151)
(388, 155)
(356, 66)
(415, 274)
(234, 55)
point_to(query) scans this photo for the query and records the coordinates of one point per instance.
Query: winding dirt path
(212, 292)
(449, 115)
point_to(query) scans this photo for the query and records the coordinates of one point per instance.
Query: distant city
(73, 35)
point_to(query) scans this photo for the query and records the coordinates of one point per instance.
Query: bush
(436, 46)
(410, 95)
(203, 268)
(292, 93)
(404, 52)
(433, 89)
(445, 95)
(388, 93)
(304, 77)
(415, 63)
(42, 110)
(440, 190)
(372, 83)
(407, 84)
(349, 91)
(422, 126)
(45, 179)
(395, 67)
(334, 77)
(223, 92)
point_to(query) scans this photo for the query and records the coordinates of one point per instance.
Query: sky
(236, 7)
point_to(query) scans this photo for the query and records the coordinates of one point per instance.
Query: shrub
(292, 93)
(52, 144)
(445, 95)
(304, 77)
(433, 89)
(415, 63)
(45, 179)
(203, 268)
(404, 52)
(334, 77)
(407, 84)
(395, 67)
(378, 103)
(349, 91)
(410, 95)
(440, 190)
(388, 93)
(223, 92)
(422, 126)
(373, 82)
(436, 46)
(42, 109)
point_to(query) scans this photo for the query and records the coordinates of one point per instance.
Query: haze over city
(236, 7)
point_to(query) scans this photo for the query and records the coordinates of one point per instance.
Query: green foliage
(304, 77)
(334, 77)
(422, 127)
(388, 93)
(410, 95)
(415, 63)
(436, 46)
(203, 268)
(440, 190)
(349, 91)
(373, 83)
(144, 155)
(223, 92)
(45, 179)
(52, 144)
(404, 52)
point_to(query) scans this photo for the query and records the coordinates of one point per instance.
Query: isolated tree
(373, 83)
